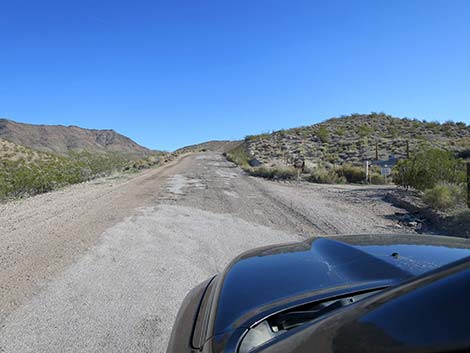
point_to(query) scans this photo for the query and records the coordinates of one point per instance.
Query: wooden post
(468, 184)
(407, 149)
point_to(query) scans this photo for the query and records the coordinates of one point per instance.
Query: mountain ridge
(61, 139)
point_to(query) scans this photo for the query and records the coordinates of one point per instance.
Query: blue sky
(173, 73)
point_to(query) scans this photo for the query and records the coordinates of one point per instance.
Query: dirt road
(103, 266)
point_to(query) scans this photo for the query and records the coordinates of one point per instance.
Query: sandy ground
(104, 266)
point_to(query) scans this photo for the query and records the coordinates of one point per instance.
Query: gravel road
(103, 266)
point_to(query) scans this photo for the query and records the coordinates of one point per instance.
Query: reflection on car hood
(276, 273)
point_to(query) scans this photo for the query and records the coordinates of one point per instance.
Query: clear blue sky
(172, 73)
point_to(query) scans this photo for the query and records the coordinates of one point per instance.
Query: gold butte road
(103, 266)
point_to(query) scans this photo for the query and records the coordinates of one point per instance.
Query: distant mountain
(213, 146)
(63, 139)
(354, 139)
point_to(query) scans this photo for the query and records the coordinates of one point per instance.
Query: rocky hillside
(24, 171)
(40, 158)
(214, 146)
(63, 139)
(12, 151)
(354, 139)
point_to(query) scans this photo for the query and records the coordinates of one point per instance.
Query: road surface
(103, 266)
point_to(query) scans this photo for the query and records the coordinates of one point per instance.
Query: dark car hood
(274, 274)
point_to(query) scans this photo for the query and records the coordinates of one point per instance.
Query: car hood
(265, 277)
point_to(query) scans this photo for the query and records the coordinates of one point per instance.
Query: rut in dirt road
(103, 267)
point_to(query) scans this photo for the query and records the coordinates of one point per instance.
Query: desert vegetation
(355, 138)
(438, 174)
(24, 171)
(334, 152)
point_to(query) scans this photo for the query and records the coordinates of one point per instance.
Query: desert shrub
(264, 135)
(340, 131)
(29, 177)
(278, 173)
(377, 179)
(444, 196)
(239, 156)
(4, 187)
(352, 174)
(434, 125)
(323, 134)
(18, 178)
(102, 164)
(428, 167)
(364, 131)
(325, 176)
(263, 172)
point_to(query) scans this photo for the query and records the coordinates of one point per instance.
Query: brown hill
(63, 139)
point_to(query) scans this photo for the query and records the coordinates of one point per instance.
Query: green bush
(29, 177)
(19, 178)
(323, 134)
(444, 196)
(239, 156)
(364, 131)
(377, 179)
(428, 167)
(352, 174)
(325, 176)
(264, 135)
(278, 173)
(340, 131)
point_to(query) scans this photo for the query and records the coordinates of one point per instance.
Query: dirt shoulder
(42, 235)
(425, 219)
(340, 209)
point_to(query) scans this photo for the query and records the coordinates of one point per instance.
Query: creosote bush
(323, 134)
(352, 173)
(239, 156)
(377, 179)
(277, 173)
(428, 167)
(325, 176)
(24, 177)
(444, 196)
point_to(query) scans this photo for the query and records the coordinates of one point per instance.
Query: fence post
(367, 171)
(468, 184)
